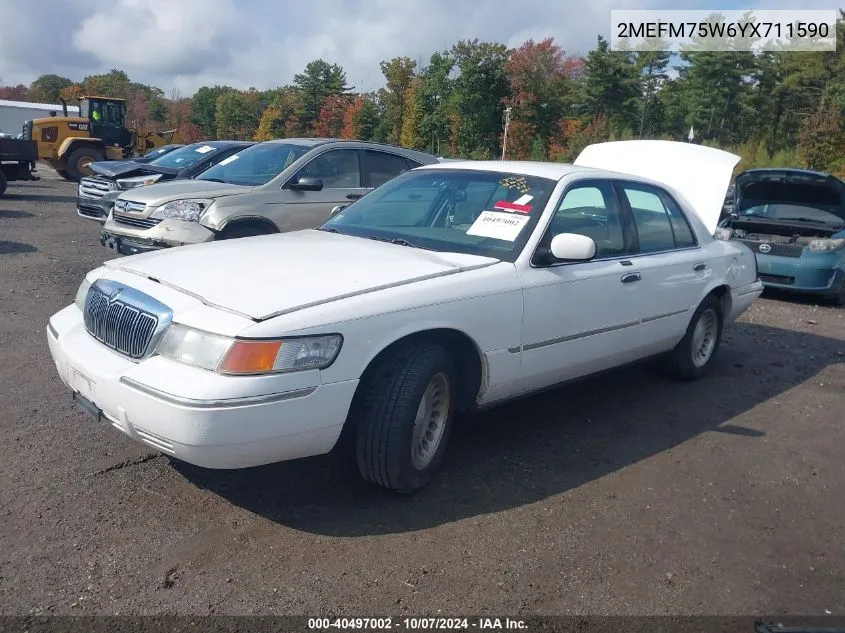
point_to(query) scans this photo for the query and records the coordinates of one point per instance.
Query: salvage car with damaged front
(794, 221)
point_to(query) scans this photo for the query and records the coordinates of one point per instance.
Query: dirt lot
(629, 493)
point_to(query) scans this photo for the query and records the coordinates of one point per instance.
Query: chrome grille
(781, 250)
(95, 187)
(138, 223)
(124, 319)
(128, 206)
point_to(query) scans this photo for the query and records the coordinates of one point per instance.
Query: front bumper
(129, 240)
(195, 415)
(96, 209)
(821, 274)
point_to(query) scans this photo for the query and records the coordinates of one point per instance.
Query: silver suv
(275, 186)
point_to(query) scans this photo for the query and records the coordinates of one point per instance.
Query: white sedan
(454, 287)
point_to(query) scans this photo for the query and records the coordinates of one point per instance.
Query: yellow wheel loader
(69, 144)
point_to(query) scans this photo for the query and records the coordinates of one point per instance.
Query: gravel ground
(624, 494)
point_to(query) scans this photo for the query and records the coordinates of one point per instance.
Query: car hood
(786, 186)
(700, 174)
(126, 168)
(115, 168)
(162, 192)
(265, 276)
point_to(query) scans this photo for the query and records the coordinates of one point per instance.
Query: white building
(13, 114)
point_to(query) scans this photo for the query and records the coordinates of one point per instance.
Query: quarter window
(591, 210)
(338, 169)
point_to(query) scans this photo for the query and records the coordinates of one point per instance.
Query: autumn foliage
(774, 109)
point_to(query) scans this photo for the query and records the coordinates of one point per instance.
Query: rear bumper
(820, 274)
(742, 298)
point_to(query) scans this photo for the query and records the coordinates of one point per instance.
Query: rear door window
(379, 167)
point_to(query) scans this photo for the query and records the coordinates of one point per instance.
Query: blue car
(794, 220)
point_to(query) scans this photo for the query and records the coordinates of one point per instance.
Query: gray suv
(271, 187)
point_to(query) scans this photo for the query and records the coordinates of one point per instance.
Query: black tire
(839, 298)
(686, 361)
(3, 182)
(64, 174)
(392, 396)
(244, 229)
(78, 157)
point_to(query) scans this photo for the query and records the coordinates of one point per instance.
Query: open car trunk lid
(698, 173)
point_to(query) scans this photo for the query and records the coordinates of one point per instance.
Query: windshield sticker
(513, 206)
(204, 149)
(499, 226)
(516, 182)
(229, 159)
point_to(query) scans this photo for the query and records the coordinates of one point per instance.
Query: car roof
(225, 143)
(314, 142)
(554, 171)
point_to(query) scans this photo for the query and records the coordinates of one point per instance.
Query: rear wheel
(64, 174)
(406, 416)
(693, 356)
(79, 161)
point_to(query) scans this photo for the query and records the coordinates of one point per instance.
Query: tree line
(778, 108)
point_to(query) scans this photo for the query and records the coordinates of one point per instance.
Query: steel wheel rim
(430, 421)
(704, 337)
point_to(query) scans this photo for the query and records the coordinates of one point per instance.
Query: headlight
(188, 210)
(825, 246)
(82, 294)
(137, 181)
(723, 234)
(244, 356)
(194, 347)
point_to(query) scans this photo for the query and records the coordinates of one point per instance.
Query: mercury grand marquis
(453, 287)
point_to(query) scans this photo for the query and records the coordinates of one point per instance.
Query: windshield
(184, 156)
(464, 211)
(256, 165)
(793, 213)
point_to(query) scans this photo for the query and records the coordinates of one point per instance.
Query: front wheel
(693, 356)
(406, 416)
(3, 182)
(79, 161)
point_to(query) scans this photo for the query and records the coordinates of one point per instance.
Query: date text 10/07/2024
(416, 624)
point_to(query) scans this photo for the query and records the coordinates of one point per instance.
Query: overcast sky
(184, 44)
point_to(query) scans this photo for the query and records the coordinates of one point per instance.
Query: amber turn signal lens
(251, 357)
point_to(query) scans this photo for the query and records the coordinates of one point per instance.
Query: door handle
(699, 267)
(353, 196)
(631, 277)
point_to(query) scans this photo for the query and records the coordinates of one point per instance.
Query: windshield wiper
(395, 240)
(808, 220)
(215, 180)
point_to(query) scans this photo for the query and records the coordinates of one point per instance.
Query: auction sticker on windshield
(498, 225)
(228, 160)
(204, 149)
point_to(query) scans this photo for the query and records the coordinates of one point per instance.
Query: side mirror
(306, 184)
(337, 209)
(573, 247)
